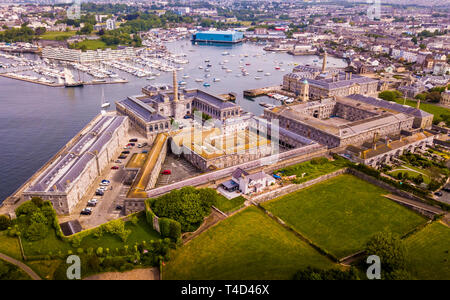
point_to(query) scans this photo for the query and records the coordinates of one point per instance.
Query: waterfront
(36, 121)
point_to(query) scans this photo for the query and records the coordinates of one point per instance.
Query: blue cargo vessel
(228, 37)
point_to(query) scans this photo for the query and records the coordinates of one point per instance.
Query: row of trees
(22, 34)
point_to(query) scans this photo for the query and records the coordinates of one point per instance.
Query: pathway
(21, 265)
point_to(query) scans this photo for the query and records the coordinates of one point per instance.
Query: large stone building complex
(153, 112)
(320, 83)
(66, 180)
(342, 121)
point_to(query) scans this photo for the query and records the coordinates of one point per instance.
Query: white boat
(257, 77)
(104, 104)
(267, 74)
(260, 70)
(200, 67)
(151, 78)
(216, 79)
(198, 80)
(185, 76)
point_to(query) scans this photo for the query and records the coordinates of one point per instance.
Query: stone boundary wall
(295, 187)
(311, 151)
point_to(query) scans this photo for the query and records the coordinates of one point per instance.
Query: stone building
(152, 113)
(353, 120)
(445, 99)
(67, 179)
(385, 150)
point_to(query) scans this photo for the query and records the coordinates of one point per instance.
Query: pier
(267, 90)
(60, 84)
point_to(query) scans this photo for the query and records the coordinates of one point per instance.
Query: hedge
(167, 227)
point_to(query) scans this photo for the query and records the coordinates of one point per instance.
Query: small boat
(277, 68)
(260, 70)
(185, 76)
(209, 65)
(257, 77)
(206, 84)
(207, 60)
(267, 74)
(216, 79)
(104, 104)
(200, 67)
(182, 82)
(198, 80)
(151, 78)
(229, 70)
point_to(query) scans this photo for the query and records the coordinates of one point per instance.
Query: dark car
(119, 207)
(86, 212)
(447, 189)
(99, 193)
(439, 194)
(133, 140)
(126, 152)
(132, 144)
(122, 157)
(115, 168)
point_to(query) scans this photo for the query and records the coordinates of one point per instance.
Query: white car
(102, 188)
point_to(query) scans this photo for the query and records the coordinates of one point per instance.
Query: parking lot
(114, 195)
(180, 169)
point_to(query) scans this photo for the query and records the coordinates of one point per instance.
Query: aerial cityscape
(184, 140)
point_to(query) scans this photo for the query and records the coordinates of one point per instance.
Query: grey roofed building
(238, 173)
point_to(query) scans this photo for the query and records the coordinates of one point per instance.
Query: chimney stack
(324, 64)
(175, 86)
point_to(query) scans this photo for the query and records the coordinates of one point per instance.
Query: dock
(267, 90)
(60, 84)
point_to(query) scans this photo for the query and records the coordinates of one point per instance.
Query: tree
(390, 249)
(5, 222)
(87, 29)
(390, 95)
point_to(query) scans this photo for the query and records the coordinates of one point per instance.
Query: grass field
(137, 161)
(229, 205)
(428, 253)
(313, 168)
(413, 172)
(248, 245)
(93, 45)
(10, 246)
(437, 111)
(139, 232)
(45, 268)
(57, 35)
(341, 214)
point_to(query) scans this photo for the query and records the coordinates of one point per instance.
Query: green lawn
(57, 35)
(229, 205)
(414, 173)
(437, 111)
(44, 268)
(93, 45)
(313, 168)
(10, 246)
(341, 214)
(428, 253)
(248, 245)
(139, 232)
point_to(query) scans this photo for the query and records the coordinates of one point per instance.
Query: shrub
(334, 274)
(36, 232)
(390, 249)
(5, 222)
(26, 209)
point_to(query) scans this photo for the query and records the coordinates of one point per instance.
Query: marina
(26, 113)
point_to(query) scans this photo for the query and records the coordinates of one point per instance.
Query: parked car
(118, 161)
(99, 193)
(87, 211)
(439, 194)
(447, 189)
(119, 207)
(126, 152)
(92, 202)
(102, 188)
(133, 140)
(122, 157)
(166, 172)
(131, 144)
(106, 181)
(114, 168)
(144, 151)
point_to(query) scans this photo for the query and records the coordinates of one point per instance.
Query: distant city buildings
(78, 56)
